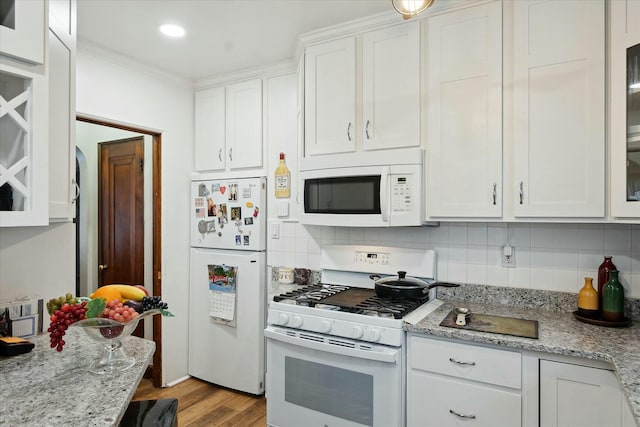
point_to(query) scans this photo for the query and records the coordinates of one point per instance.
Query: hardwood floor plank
(203, 404)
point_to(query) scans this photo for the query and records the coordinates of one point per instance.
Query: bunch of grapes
(61, 319)
(115, 310)
(150, 303)
(56, 303)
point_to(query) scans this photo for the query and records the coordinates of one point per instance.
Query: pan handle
(443, 284)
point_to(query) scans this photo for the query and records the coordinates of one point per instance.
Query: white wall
(548, 256)
(125, 92)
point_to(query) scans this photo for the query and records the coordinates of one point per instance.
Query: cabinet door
(559, 108)
(391, 87)
(244, 124)
(63, 190)
(210, 130)
(23, 29)
(464, 111)
(625, 109)
(440, 401)
(573, 395)
(330, 92)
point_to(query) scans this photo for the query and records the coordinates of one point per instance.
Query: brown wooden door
(121, 212)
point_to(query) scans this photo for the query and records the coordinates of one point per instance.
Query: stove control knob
(283, 319)
(325, 326)
(296, 321)
(374, 335)
(356, 332)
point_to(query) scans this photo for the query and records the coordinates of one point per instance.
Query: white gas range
(336, 351)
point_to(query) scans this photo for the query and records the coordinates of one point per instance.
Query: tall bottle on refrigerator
(227, 289)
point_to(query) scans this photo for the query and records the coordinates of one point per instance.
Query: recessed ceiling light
(172, 30)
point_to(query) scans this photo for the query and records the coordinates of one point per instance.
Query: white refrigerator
(227, 289)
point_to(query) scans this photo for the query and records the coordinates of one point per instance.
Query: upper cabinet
(339, 118)
(464, 113)
(624, 113)
(63, 189)
(559, 108)
(23, 29)
(228, 127)
(330, 97)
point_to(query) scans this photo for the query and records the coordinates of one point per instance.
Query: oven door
(318, 380)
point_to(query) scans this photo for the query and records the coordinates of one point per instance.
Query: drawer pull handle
(460, 362)
(457, 414)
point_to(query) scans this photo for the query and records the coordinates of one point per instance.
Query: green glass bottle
(613, 299)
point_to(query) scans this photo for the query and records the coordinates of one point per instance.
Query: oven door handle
(380, 354)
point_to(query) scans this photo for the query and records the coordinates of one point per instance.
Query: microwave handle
(384, 194)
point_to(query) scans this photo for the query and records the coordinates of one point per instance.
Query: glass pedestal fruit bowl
(110, 333)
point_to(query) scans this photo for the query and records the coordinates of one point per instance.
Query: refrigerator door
(229, 214)
(230, 356)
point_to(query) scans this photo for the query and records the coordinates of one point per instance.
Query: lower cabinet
(455, 383)
(574, 395)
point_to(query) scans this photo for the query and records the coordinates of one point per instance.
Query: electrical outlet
(508, 256)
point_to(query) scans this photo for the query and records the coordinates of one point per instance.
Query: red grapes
(60, 321)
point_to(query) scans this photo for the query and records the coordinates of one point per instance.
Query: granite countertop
(49, 388)
(558, 333)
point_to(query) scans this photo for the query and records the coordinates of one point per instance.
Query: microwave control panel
(401, 193)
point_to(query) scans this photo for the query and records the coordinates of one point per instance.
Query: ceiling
(221, 35)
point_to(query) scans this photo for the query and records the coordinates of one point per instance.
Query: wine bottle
(283, 179)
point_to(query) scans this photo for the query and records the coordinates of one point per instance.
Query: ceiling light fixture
(410, 8)
(172, 30)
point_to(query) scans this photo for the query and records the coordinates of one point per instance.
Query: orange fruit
(107, 293)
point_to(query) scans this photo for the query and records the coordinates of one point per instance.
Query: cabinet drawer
(499, 367)
(434, 401)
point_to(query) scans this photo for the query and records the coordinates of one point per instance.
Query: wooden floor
(203, 404)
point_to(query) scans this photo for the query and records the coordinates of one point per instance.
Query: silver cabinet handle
(220, 154)
(495, 186)
(76, 191)
(231, 154)
(521, 192)
(460, 362)
(349, 131)
(457, 414)
(366, 129)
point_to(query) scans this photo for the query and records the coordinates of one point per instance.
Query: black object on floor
(151, 413)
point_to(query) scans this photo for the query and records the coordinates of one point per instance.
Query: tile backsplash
(554, 257)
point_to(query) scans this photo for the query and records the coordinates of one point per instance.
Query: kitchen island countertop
(558, 333)
(49, 388)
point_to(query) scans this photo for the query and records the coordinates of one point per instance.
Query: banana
(128, 291)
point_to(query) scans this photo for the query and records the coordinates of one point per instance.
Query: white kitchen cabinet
(24, 148)
(23, 29)
(385, 114)
(451, 383)
(559, 108)
(330, 97)
(624, 112)
(464, 113)
(573, 395)
(228, 127)
(244, 124)
(63, 190)
(391, 87)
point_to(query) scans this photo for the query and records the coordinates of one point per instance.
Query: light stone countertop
(558, 333)
(49, 388)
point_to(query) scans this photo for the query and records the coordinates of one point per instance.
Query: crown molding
(265, 71)
(92, 49)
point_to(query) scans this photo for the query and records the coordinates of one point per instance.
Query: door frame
(156, 143)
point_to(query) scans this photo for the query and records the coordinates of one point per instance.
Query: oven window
(334, 391)
(345, 195)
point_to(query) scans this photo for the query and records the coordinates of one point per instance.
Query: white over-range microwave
(383, 195)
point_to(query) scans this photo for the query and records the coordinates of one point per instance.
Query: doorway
(90, 132)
